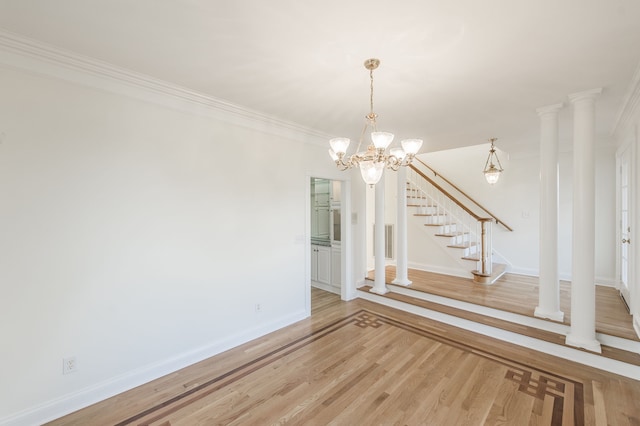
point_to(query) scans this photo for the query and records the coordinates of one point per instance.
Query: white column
(549, 283)
(583, 290)
(379, 285)
(402, 268)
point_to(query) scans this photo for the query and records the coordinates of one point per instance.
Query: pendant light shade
(491, 171)
(371, 171)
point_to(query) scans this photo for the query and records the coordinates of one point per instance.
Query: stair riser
(459, 239)
(436, 220)
(426, 210)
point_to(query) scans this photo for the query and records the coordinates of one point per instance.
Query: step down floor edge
(563, 351)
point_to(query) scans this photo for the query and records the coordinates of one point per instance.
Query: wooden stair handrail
(449, 196)
(498, 221)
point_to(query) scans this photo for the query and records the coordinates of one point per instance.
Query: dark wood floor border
(578, 405)
(362, 318)
(310, 337)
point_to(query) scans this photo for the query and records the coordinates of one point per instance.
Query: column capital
(549, 109)
(587, 94)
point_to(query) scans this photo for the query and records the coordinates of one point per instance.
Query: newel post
(485, 247)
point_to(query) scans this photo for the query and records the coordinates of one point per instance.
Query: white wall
(135, 238)
(515, 200)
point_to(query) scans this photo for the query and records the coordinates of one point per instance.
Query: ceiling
(452, 72)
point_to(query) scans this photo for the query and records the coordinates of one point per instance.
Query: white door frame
(625, 158)
(348, 287)
(624, 218)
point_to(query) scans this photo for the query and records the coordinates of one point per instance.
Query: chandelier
(491, 172)
(373, 161)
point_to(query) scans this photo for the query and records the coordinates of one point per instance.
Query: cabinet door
(335, 192)
(336, 267)
(314, 263)
(323, 222)
(324, 265)
(314, 223)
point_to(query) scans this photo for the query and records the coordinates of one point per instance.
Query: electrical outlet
(69, 365)
(258, 307)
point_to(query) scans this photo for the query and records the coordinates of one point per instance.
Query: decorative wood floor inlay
(373, 368)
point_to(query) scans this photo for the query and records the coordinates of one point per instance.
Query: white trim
(607, 282)
(582, 357)
(529, 272)
(66, 404)
(438, 269)
(27, 54)
(527, 321)
(325, 287)
(602, 281)
(629, 105)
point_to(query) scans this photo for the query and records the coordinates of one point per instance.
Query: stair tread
(429, 214)
(548, 336)
(452, 234)
(475, 259)
(463, 245)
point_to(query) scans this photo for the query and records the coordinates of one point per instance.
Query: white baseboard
(603, 281)
(456, 272)
(325, 287)
(69, 403)
(524, 271)
(607, 282)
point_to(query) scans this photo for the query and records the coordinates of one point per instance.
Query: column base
(401, 281)
(588, 344)
(554, 316)
(383, 290)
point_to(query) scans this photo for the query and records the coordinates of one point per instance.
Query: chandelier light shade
(375, 159)
(491, 171)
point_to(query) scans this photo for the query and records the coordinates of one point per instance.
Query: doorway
(625, 217)
(326, 234)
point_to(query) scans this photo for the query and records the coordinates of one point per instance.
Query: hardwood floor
(519, 294)
(360, 363)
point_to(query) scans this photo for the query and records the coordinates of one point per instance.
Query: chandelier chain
(371, 96)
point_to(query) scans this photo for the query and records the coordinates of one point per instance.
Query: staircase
(502, 312)
(462, 231)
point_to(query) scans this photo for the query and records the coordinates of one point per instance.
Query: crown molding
(630, 105)
(27, 54)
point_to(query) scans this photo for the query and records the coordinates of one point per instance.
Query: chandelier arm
(498, 160)
(487, 162)
(393, 162)
(364, 129)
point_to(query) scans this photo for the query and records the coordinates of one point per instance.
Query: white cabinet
(336, 267)
(335, 196)
(321, 264)
(320, 206)
(320, 222)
